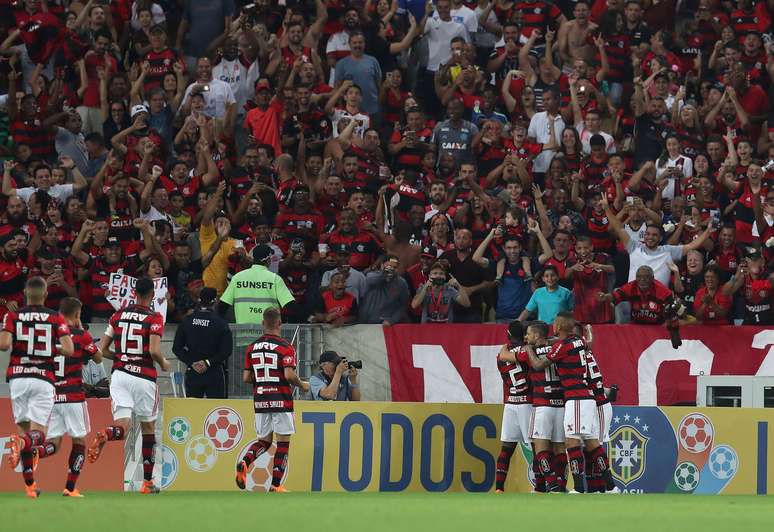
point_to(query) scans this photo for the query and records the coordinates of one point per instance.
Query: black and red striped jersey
(569, 358)
(131, 329)
(594, 377)
(516, 389)
(69, 370)
(546, 386)
(35, 330)
(266, 360)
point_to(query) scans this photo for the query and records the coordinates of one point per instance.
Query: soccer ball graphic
(696, 433)
(686, 476)
(723, 462)
(200, 454)
(179, 429)
(169, 466)
(223, 427)
(259, 473)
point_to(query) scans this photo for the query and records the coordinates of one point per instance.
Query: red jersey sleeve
(8, 321)
(557, 352)
(521, 356)
(662, 292)
(248, 365)
(623, 293)
(156, 324)
(88, 344)
(289, 358)
(61, 326)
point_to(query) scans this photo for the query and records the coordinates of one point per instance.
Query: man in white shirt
(219, 101)
(462, 14)
(235, 68)
(42, 180)
(540, 128)
(439, 31)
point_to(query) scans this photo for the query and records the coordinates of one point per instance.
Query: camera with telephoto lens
(673, 312)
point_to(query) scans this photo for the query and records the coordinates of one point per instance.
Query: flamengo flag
(120, 293)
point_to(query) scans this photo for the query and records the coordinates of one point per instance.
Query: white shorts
(130, 394)
(515, 426)
(605, 412)
(32, 400)
(281, 423)
(581, 419)
(546, 423)
(69, 418)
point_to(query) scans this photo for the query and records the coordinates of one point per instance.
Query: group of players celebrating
(48, 350)
(555, 400)
(553, 392)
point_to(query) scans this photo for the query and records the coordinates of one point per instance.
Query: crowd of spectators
(403, 161)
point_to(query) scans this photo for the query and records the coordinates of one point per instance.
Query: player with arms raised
(32, 333)
(517, 411)
(70, 414)
(581, 422)
(548, 416)
(135, 332)
(270, 366)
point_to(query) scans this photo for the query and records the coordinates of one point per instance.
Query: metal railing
(307, 339)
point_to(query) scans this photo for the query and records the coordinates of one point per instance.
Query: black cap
(112, 242)
(330, 356)
(207, 296)
(752, 252)
(261, 252)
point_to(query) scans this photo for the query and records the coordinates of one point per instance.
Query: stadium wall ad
(107, 475)
(396, 447)
(455, 363)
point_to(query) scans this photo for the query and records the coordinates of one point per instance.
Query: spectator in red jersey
(589, 273)
(60, 281)
(362, 244)
(647, 296)
(13, 274)
(712, 306)
(336, 306)
(757, 288)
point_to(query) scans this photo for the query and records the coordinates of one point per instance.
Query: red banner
(456, 363)
(105, 475)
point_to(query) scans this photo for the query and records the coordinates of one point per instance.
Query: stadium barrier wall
(397, 447)
(456, 363)
(106, 475)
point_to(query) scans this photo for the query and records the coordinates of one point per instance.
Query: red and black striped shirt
(35, 330)
(546, 386)
(266, 360)
(131, 329)
(69, 370)
(569, 357)
(515, 375)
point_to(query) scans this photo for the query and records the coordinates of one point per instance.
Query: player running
(270, 365)
(70, 414)
(517, 411)
(568, 355)
(35, 335)
(547, 431)
(135, 332)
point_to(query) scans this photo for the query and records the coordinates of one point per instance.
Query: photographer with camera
(435, 297)
(336, 380)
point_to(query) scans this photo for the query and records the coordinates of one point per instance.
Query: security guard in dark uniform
(203, 342)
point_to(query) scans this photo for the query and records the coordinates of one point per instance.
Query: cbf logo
(627, 454)
(642, 449)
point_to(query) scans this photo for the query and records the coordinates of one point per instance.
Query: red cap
(262, 85)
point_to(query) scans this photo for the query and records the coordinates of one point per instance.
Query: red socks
(47, 449)
(32, 438)
(256, 450)
(560, 469)
(280, 462)
(75, 462)
(545, 461)
(148, 445)
(503, 462)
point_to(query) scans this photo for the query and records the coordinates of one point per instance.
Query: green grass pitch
(375, 512)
